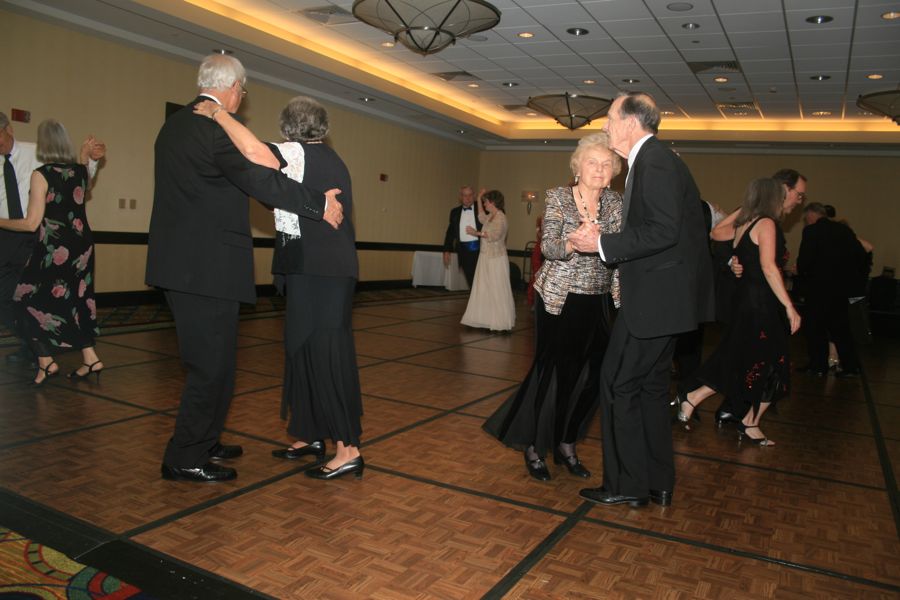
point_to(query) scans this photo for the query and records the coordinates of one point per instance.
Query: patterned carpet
(32, 571)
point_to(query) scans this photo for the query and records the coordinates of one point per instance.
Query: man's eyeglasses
(243, 92)
(801, 196)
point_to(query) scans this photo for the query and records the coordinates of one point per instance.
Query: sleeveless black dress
(751, 364)
(56, 291)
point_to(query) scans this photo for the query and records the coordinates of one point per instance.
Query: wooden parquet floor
(444, 511)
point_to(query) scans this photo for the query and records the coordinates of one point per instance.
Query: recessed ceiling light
(473, 85)
(820, 77)
(695, 41)
(821, 113)
(222, 51)
(366, 99)
(461, 131)
(874, 76)
(740, 113)
(667, 113)
(589, 81)
(680, 6)
(721, 79)
(525, 34)
(531, 114)
(691, 26)
(388, 44)
(577, 31)
(819, 19)
(864, 113)
(546, 141)
(629, 80)
(509, 84)
(890, 15)
(773, 90)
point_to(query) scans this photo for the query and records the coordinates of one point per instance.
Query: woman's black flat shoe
(537, 468)
(316, 448)
(572, 463)
(354, 465)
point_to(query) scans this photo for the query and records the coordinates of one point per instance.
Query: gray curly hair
(303, 120)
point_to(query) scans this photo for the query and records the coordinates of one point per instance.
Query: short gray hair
(219, 72)
(53, 143)
(594, 140)
(4, 120)
(303, 120)
(643, 107)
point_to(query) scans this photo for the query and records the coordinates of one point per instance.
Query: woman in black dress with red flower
(56, 290)
(751, 365)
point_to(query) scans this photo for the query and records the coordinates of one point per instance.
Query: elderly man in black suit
(663, 257)
(457, 239)
(830, 260)
(201, 254)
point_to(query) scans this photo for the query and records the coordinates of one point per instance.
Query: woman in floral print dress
(56, 290)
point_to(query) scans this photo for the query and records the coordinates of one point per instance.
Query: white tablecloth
(428, 269)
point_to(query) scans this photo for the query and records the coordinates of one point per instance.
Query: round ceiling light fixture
(577, 31)
(680, 6)
(691, 26)
(819, 19)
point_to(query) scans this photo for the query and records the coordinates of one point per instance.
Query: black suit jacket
(451, 238)
(200, 240)
(663, 248)
(830, 260)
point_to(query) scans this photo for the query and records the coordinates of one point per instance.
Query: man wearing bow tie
(457, 240)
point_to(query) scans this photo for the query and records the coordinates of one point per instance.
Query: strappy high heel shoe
(76, 375)
(742, 434)
(724, 417)
(682, 416)
(47, 373)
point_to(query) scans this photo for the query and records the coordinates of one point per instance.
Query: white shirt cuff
(600, 248)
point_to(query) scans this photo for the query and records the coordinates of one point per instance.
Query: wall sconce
(529, 197)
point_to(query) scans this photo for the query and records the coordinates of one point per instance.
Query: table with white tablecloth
(428, 269)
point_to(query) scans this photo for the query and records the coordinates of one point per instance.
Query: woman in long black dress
(56, 290)
(318, 266)
(573, 311)
(751, 365)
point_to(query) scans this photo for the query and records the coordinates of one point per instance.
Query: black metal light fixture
(882, 103)
(570, 110)
(427, 26)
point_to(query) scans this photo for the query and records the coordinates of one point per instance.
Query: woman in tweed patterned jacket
(573, 312)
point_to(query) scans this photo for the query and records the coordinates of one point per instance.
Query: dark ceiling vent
(328, 15)
(715, 66)
(457, 76)
(746, 105)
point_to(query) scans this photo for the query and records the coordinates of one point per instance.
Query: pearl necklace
(595, 221)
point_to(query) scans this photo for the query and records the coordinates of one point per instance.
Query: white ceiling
(777, 50)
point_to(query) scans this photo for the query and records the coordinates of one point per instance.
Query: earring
(576, 178)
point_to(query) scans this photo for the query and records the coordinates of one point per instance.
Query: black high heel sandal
(682, 417)
(76, 375)
(537, 468)
(573, 464)
(47, 373)
(724, 417)
(742, 433)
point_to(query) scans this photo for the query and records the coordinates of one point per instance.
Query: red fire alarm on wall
(383, 177)
(19, 115)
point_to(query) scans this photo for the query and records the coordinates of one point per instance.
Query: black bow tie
(467, 208)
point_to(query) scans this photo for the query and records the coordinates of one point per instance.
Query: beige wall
(118, 92)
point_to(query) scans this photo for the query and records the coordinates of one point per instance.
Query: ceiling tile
(805, 52)
(660, 10)
(565, 15)
(730, 7)
(753, 21)
(639, 43)
(759, 38)
(766, 66)
(840, 35)
(632, 28)
(604, 10)
(762, 53)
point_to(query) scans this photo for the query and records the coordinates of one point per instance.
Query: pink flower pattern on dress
(22, 290)
(46, 321)
(81, 262)
(59, 290)
(82, 288)
(78, 195)
(60, 255)
(78, 225)
(92, 306)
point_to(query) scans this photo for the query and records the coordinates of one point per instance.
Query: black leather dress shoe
(847, 374)
(208, 473)
(354, 465)
(223, 452)
(317, 448)
(661, 497)
(602, 497)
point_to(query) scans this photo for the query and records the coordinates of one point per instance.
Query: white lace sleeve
(287, 222)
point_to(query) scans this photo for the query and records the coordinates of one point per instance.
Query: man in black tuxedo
(662, 254)
(201, 254)
(828, 263)
(457, 240)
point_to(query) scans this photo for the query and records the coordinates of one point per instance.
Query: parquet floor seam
(883, 455)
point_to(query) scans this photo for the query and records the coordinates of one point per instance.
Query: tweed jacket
(577, 273)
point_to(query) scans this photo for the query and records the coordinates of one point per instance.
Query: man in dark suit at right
(662, 254)
(457, 240)
(201, 254)
(829, 261)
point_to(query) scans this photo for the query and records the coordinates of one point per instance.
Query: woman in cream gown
(491, 303)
